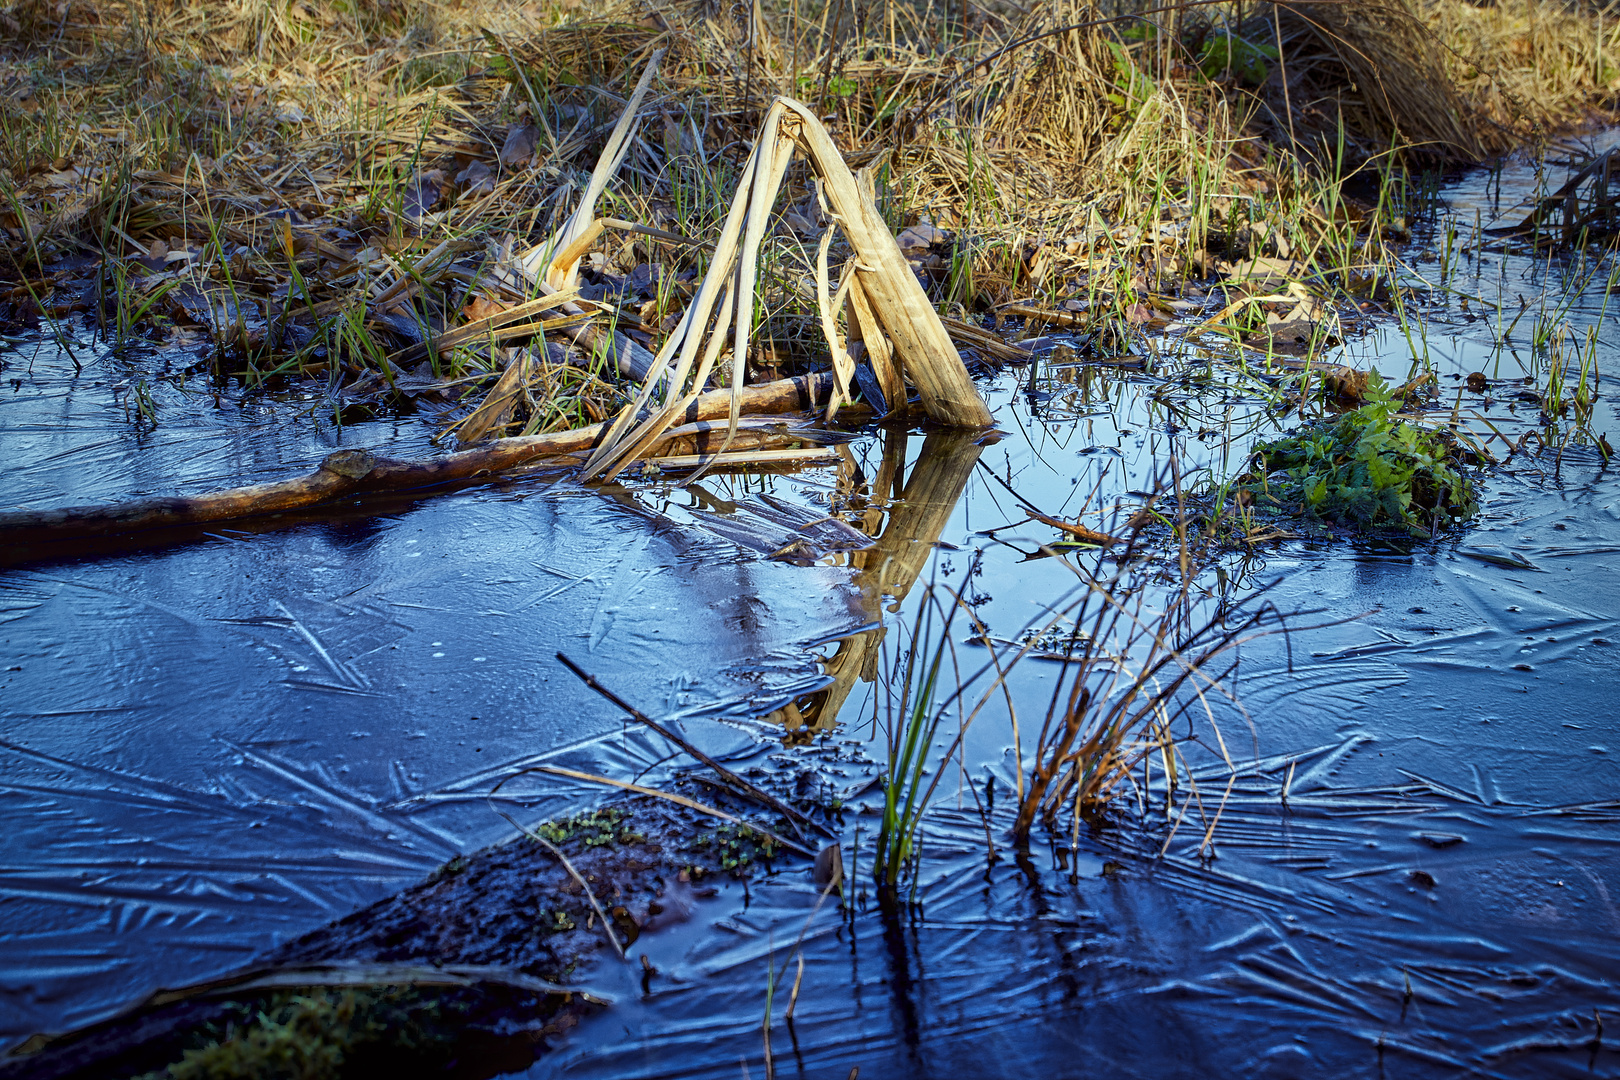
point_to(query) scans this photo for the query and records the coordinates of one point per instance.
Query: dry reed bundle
(557, 260)
(892, 315)
(1053, 107)
(1529, 70)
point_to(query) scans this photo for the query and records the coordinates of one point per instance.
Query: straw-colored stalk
(559, 257)
(889, 303)
(1128, 676)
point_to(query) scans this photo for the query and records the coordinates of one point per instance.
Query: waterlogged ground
(211, 748)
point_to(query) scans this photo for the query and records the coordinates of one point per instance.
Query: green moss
(316, 1034)
(737, 846)
(1365, 468)
(598, 828)
(449, 869)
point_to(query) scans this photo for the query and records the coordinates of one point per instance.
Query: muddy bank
(471, 972)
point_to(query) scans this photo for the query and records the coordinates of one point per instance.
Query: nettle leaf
(1369, 468)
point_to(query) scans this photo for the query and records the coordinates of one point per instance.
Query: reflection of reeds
(907, 515)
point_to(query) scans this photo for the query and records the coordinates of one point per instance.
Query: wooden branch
(348, 473)
(1078, 531)
(731, 780)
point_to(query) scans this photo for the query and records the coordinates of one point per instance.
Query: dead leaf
(495, 412)
(921, 237)
(480, 307)
(476, 179)
(422, 195)
(1261, 274)
(519, 145)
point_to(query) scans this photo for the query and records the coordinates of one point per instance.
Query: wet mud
(515, 931)
(212, 751)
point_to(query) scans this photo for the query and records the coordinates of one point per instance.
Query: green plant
(911, 735)
(1225, 53)
(596, 828)
(313, 1034)
(1367, 468)
(737, 846)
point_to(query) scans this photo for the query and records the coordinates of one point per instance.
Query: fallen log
(346, 474)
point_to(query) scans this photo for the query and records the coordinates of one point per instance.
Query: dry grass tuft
(322, 190)
(1402, 91)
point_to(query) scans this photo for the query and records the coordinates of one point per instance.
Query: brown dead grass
(301, 162)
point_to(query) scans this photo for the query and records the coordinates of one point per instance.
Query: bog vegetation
(332, 191)
(519, 218)
(1366, 468)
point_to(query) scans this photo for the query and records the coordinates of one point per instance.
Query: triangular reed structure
(892, 320)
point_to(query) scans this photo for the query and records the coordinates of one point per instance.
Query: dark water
(210, 748)
(213, 747)
(1438, 896)
(1440, 893)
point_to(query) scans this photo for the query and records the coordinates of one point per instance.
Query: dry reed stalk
(743, 459)
(901, 310)
(554, 268)
(557, 260)
(479, 328)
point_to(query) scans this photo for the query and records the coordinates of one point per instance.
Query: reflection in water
(1415, 868)
(901, 953)
(917, 510)
(356, 534)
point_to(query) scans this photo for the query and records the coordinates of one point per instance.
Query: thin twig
(1076, 530)
(735, 782)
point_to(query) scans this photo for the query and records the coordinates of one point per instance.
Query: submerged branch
(29, 534)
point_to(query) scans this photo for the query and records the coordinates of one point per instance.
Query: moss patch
(317, 1034)
(596, 828)
(1365, 468)
(735, 847)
